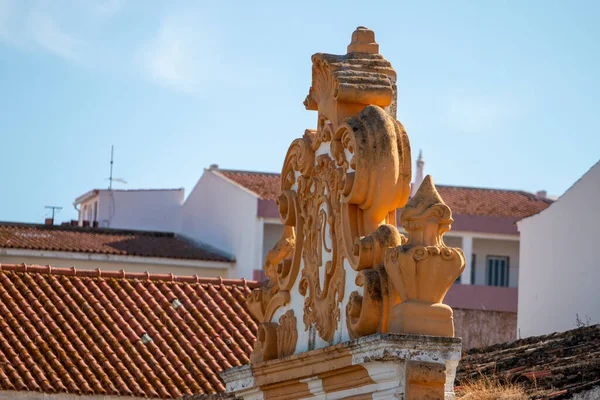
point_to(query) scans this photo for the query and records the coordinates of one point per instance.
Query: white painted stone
(592, 394)
(238, 378)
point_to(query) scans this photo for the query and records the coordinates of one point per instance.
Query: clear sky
(499, 94)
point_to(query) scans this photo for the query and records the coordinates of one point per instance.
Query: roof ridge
(524, 192)
(140, 190)
(98, 273)
(485, 188)
(84, 229)
(241, 171)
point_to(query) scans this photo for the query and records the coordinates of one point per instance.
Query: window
(473, 265)
(497, 271)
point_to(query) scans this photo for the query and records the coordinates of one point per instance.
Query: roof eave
(86, 196)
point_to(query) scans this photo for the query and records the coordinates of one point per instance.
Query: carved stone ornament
(340, 187)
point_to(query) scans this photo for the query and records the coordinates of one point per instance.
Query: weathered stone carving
(287, 334)
(340, 187)
(424, 268)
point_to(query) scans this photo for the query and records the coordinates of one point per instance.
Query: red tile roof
(462, 200)
(116, 333)
(551, 366)
(492, 202)
(266, 185)
(105, 241)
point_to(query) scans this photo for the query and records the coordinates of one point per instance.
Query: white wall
(560, 263)
(105, 262)
(151, 210)
(272, 233)
(222, 214)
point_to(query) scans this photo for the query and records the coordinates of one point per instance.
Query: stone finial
(423, 269)
(363, 41)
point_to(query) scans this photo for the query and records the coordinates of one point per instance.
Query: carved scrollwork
(340, 187)
(322, 281)
(376, 149)
(287, 334)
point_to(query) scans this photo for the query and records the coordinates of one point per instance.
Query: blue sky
(497, 93)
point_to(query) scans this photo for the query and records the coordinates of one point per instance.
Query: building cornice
(116, 258)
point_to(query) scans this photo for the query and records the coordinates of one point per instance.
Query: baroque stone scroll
(341, 268)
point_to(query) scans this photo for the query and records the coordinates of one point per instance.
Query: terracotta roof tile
(492, 202)
(105, 241)
(265, 184)
(551, 366)
(462, 200)
(116, 333)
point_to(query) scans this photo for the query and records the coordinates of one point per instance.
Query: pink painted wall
(481, 297)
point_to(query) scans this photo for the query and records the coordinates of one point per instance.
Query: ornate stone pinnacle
(363, 41)
(426, 217)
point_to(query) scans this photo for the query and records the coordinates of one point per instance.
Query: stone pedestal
(380, 366)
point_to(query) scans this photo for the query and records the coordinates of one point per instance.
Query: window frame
(488, 278)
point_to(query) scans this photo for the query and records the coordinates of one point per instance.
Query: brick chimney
(48, 221)
(541, 194)
(86, 223)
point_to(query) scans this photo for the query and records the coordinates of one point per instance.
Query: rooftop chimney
(48, 221)
(213, 167)
(541, 194)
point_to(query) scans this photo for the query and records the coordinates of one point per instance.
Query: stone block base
(425, 318)
(381, 366)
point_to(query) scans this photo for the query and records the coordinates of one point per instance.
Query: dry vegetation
(486, 389)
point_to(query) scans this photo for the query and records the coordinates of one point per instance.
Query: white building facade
(143, 209)
(560, 274)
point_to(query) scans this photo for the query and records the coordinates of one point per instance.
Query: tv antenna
(53, 208)
(111, 179)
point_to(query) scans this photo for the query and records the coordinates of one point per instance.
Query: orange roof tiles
(462, 200)
(116, 333)
(265, 184)
(104, 241)
(492, 202)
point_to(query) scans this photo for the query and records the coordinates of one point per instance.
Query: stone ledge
(378, 360)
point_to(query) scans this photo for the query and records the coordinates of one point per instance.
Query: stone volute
(353, 308)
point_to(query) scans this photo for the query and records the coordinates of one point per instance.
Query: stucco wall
(151, 210)
(222, 214)
(115, 266)
(453, 241)
(272, 233)
(560, 272)
(480, 328)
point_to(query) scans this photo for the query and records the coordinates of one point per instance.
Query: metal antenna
(53, 208)
(112, 149)
(111, 179)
